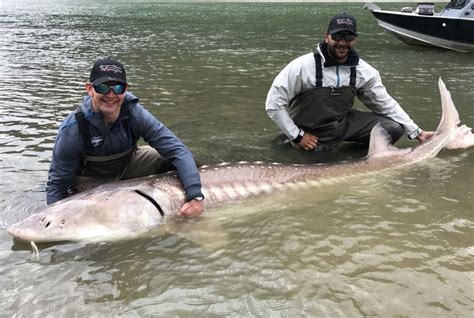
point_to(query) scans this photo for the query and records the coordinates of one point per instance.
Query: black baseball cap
(107, 70)
(342, 22)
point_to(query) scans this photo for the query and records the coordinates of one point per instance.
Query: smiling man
(97, 143)
(311, 100)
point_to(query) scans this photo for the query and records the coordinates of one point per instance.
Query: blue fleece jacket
(69, 147)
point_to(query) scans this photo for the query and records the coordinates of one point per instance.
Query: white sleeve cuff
(414, 134)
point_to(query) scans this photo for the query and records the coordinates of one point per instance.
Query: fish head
(52, 224)
(95, 216)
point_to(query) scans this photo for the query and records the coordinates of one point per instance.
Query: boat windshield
(457, 4)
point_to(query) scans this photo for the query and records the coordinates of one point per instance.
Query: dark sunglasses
(105, 89)
(346, 37)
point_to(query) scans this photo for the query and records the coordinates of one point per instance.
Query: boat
(452, 28)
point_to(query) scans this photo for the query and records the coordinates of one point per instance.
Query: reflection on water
(393, 244)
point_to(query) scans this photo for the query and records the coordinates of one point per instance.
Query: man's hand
(308, 142)
(191, 208)
(425, 135)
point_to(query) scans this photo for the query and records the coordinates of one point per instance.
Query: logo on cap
(344, 21)
(110, 68)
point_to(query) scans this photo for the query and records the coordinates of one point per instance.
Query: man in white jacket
(312, 98)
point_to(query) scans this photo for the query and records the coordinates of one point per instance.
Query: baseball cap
(107, 70)
(342, 22)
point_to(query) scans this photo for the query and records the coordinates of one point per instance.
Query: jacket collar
(352, 59)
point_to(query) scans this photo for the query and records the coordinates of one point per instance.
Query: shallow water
(397, 244)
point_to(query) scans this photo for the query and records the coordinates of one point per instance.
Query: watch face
(198, 198)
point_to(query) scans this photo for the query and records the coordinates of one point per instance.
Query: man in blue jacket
(97, 143)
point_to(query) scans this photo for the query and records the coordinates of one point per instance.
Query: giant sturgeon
(128, 209)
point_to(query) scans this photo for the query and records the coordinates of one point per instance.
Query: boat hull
(445, 32)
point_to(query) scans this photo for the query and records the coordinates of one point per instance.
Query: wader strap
(126, 120)
(83, 125)
(352, 82)
(319, 70)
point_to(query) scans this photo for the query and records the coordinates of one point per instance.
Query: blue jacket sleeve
(65, 162)
(157, 135)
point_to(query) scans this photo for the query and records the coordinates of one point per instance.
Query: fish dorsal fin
(380, 145)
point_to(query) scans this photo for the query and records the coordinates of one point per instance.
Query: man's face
(339, 44)
(105, 99)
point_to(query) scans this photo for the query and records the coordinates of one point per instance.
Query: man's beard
(334, 54)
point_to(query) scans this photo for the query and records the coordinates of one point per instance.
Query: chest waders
(111, 167)
(322, 111)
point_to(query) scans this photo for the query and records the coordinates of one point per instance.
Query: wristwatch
(299, 137)
(198, 198)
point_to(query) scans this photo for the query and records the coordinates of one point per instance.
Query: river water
(396, 244)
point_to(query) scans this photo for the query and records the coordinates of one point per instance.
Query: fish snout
(18, 232)
(12, 230)
(35, 227)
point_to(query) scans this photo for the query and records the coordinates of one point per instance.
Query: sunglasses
(346, 37)
(105, 89)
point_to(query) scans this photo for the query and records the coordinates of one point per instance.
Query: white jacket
(299, 75)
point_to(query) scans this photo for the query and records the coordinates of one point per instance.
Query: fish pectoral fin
(380, 143)
(205, 232)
